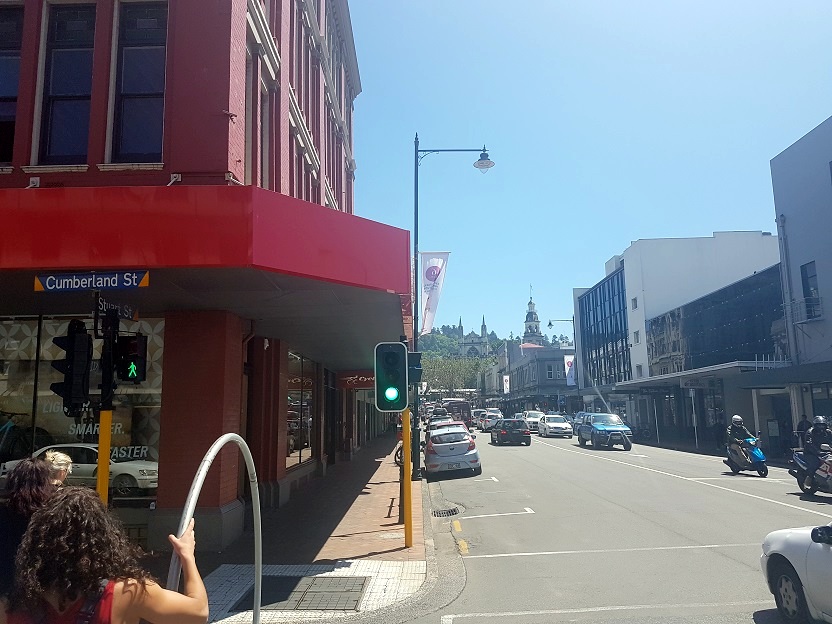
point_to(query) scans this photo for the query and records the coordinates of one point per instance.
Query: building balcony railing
(806, 309)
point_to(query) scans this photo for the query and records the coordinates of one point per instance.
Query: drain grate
(304, 593)
(445, 513)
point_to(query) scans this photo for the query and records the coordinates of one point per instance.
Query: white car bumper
(438, 463)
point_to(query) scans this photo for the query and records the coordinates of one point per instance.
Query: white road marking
(495, 479)
(750, 479)
(511, 513)
(688, 479)
(449, 619)
(637, 455)
(613, 550)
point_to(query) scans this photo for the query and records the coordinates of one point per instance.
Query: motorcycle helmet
(819, 421)
(736, 419)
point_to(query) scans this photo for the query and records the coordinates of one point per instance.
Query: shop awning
(331, 284)
(816, 373)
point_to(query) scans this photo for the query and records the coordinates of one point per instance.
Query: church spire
(483, 329)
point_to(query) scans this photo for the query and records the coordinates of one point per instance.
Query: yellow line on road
(463, 547)
(457, 526)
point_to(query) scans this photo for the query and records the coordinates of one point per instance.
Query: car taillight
(429, 450)
(471, 445)
(503, 431)
(526, 432)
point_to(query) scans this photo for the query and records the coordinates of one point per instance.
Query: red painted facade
(250, 205)
(207, 98)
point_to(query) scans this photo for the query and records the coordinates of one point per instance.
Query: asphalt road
(558, 533)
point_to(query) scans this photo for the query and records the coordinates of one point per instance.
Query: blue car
(604, 430)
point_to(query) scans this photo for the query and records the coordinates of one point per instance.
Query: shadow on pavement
(296, 532)
(766, 616)
(812, 498)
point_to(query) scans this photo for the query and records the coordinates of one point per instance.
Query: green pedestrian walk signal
(391, 376)
(131, 358)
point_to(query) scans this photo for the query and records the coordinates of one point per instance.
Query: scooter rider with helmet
(816, 435)
(737, 435)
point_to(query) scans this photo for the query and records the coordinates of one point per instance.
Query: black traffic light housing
(391, 376)
(131, 358)
(75, 388)
(414, 367)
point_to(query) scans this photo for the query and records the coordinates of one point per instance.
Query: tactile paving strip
(307, 593)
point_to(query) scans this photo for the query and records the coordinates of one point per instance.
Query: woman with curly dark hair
(29, 487)
(75, 564)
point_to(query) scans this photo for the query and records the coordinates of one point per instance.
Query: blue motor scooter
(752, 459)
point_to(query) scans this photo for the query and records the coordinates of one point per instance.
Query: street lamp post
(483, 164)
(574, 346)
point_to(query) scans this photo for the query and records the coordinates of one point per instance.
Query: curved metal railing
(175, 568)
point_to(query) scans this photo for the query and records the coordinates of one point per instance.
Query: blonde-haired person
(60, 466)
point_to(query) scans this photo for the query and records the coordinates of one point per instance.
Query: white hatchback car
(554, 425)
(533, 417)
(126, 476)
(492, 415)
(797, 565)
(452, 448)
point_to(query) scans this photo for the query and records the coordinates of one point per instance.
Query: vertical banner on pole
(433, 276)
(569, 364)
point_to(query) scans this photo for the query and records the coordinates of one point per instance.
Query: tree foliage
(452, 373)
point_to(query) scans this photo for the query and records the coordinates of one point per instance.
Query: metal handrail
(175, 568)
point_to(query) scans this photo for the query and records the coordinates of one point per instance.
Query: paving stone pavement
(364, 542)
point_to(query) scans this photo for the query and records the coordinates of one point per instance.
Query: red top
(103, 612)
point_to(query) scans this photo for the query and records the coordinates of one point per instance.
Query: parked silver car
(127, 477)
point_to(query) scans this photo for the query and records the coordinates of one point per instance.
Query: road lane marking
(637, 455)
(511, 513)
(605, 551)
(449, 619)
(750, 479)
(463, 547)
(457, 526)
(688, 479)
(494, 479)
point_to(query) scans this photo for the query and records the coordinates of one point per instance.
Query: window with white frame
(550, 371)
(140, 82)
(67, 84)
(11, 38)
(635, 303)
(636, 337)
(639, 371)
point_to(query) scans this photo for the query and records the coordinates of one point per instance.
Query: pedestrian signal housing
(391, 376)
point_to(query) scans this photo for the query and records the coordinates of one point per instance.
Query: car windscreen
(515, 424)
(555, 419)
(449, 437)
(607, 419)
(534, 415)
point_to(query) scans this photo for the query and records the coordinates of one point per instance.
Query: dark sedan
(511, 431)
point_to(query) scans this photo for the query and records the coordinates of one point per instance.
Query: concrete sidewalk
(335, 549)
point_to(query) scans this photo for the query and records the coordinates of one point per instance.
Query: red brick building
(208, 142)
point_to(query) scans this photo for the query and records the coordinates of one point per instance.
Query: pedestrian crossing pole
(105, 414)
(407, 501)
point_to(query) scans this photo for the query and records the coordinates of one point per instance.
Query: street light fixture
(483, 164)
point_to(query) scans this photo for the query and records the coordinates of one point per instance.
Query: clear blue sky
(608, 122)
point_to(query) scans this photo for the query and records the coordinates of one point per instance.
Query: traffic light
(131, 358)
(414, 367)
(75, 388)
(391, 376)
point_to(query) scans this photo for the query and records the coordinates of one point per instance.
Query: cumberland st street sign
(68, 282)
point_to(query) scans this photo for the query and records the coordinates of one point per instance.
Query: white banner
(569, 363)
(506, 384)
(433, 276)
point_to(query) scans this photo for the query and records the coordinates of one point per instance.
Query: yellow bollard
(105, 424)
(407, 501)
